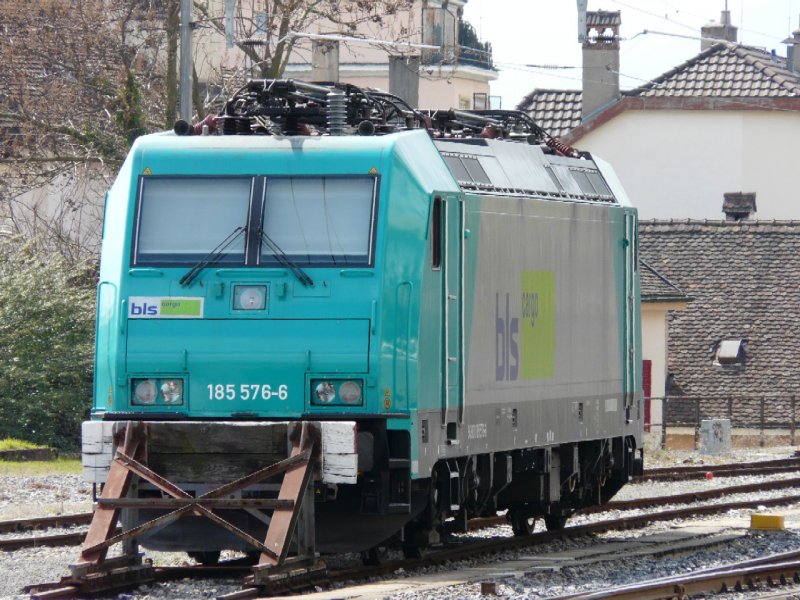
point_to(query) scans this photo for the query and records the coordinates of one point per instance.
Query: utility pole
(186, 61)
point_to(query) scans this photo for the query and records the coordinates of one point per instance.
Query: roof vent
(729, 353)
(738, 206)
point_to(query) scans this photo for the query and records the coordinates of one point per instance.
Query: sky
(544, 33)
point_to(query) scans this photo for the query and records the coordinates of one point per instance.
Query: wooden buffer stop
(148, 459)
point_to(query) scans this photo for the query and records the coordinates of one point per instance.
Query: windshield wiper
(287, 262)
(212, 257)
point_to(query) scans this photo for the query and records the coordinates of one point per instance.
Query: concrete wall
(676, 164)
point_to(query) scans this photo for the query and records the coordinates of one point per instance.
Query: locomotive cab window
(319, 221)
(181, 220)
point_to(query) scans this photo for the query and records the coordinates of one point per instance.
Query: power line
(684, 25)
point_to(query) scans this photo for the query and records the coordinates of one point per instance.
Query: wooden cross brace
(297, 470)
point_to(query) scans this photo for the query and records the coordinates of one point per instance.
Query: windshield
(182, 219)
(320, 220)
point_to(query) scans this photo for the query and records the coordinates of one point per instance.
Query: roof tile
(738, 274)
(724, 70)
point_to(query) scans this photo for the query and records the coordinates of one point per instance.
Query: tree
(46, 345)
(81, 79)
(271, 22)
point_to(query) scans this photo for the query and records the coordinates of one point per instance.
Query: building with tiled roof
(725, 120)
(738, 340)
(657, 288)
(558, 112)
(725, 70)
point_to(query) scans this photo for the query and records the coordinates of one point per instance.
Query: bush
(46, 345)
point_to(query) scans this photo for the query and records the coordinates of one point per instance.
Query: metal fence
(766, 415)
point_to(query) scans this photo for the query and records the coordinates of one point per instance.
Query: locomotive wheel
(411, 549)
(375, 556)
(210, 557)
(555, 522)
(522, 524)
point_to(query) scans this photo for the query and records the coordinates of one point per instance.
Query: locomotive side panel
(545, 290)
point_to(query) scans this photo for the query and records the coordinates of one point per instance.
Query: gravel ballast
(28, 497)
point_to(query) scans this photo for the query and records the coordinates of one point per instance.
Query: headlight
(249, 297)
(324, 392)
(164, 392)
(144, 392)
(171, 391)
(337, 392)
(350, 392)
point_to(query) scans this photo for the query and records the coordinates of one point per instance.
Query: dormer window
(729, 353)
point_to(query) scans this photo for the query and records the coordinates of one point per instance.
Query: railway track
(76, 538)
(450, 553)
(469, 550)
(45, 522)
(684, 472)
(69, 589)
(667, 473)
(758, 574)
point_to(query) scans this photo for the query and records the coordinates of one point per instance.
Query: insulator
(561, 147)
(337, 112)
(243, 126)
(182, 128)
(229, 126)
(366, 128)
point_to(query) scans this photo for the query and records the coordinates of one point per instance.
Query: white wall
(654, 346)
(676, 164)
(655, 337)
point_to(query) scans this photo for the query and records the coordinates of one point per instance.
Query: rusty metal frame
(295, 486)
(128, 462)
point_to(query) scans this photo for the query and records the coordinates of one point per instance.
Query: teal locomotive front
(252, 280)
(245, 280)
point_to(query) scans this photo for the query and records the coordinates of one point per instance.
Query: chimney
(722, 31)
(325, 61)
(793, 52)
(600, 60)
(738, 206)
(404, 78)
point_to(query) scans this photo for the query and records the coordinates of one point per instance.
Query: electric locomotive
(451, 298)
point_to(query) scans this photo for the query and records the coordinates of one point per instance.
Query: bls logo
(143, 310)
(506, 347)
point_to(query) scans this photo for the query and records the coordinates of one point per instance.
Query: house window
(729, 353)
